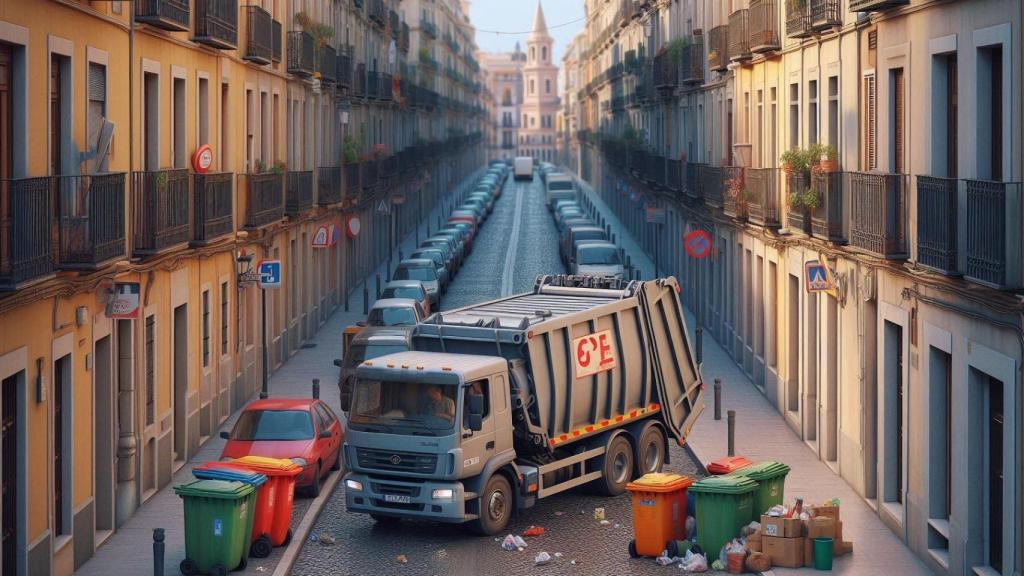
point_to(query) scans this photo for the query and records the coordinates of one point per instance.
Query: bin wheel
(672, 549)
(219, 570)
(650, 451)
(261, 547)
(242, 564)
(287, 538)
(188, 567)
(618, 467)
(632, 549)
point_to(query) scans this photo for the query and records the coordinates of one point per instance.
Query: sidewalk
(129, 550)
(762, 434)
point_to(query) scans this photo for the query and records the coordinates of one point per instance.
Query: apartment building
(504, 77)
(569, 87)
(304, 118)
(880, 138)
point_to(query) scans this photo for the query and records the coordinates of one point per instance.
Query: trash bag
(542, 559)
(509, 543)
(758, 562)
(694, 562)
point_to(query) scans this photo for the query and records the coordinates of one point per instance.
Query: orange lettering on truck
(594, 353)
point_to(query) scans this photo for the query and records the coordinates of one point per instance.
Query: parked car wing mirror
(345, 399)
(225, 434)
(338, 362)
(361, 323)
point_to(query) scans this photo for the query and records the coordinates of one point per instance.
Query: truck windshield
(358, 352)
(410, 292)
(598, 255)
(402, 407)
(425, 273)
(280, 425)
(391, 317)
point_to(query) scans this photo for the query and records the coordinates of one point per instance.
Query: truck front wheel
(618, 466)
(495, 506)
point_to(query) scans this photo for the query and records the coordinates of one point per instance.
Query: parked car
(303, 428)
(598, 259)
(444, 246)
(395, 312)
(424, 271)
(470, 214)
(465, 230)
(408, 289)
(575, 234)
(559, 187)
(456, 237)
(438, 257)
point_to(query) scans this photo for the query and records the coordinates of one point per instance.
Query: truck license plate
(397, 498)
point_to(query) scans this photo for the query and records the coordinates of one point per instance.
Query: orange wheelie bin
(659, 512)
(281, 475)
(263, 515)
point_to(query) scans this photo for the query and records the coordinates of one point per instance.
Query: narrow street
(517, 242)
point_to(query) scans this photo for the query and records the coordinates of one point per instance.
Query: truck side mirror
(225, 434)
(475, 407)
(345, 399)
(476, 422)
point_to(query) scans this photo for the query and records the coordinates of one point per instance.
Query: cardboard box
(828, 511)
(808, 552)
(837, 539)
(754, 545)
(820, 527)
(781, 527)
(784, 552)
(846, 548)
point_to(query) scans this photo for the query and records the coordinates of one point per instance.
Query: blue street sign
(817, 277)
(269, 272)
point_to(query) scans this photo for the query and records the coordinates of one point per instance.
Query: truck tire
(650, 451)
(618, 467)
(495, 506)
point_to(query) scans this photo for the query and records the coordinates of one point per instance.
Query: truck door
(477, 447)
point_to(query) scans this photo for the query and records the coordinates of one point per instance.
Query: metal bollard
(718, 398)
(613, 239)
(378, 287)
(731, 416)
(401, 256)
(316, 388)
(629, 264)
(366, 299)
(158, 552)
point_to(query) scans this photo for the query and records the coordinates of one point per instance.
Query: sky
(517, 16)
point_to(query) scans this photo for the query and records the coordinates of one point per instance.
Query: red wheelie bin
(281, 475)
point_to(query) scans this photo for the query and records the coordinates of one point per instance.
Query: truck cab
(424, 432)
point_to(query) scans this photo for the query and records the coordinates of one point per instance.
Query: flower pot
(829, 165)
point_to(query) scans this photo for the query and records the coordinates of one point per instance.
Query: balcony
(265, 200)
(91, 210)
(711, 185)
(403, 39)
(277, 32)
(327, 65)
(372, 84)
(673, 174)
(693, 60)
(798, 219)
(825, 14)
(878, 213)
(993, 233)
(217, 23)
(212, 209)
(353, 179)
(763, 196)
(692, 180)
(26, 247)
(259, 41)
(718, 48)
(376, 12)
(371, 172)
(827, 217)
(298, 192)
(344, 67)
(875, 5)
(160, 210)
(429, 28)
(666, 73)
(359, 80)
(798, 18)
(386, 91)
(300, 54)
(937, 223)
(394, 24)
(735, 198)
(764, 26)
(328, 189)
(739, 35)
(171, 15)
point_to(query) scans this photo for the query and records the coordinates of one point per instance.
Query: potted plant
(350, 149)
(675, 49)
(796, 160)
(825, 157)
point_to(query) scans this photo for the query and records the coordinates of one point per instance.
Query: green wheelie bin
(724, 506)
(218, 525)
(771, 479)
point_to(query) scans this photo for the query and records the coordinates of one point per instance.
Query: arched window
(544, 53)
(531, 86)
(547, 86)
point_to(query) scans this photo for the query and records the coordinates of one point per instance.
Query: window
(544, 53)
(547, 86)
(759, 135)
(892, 449)
(990, 112)
(206, 328)
(6, 111)
(773, 124)
(224, 313)
(531, 86)
(944, 115)
(794, 115)
(812, 112)
(62, 408)
(150, 345)
(897, 109)
(994, 424)
(940, 463)
(327, 419)
(833, 112)
(203, 89)
(476, 388)
(533, 53)
(870, 159)
(178, 146)
(97, 105)
(268, 425)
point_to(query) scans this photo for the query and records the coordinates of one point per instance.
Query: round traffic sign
(202, 159)
(352, 226)
(697, 244)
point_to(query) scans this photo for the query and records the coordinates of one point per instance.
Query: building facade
(504, 75)
(570, 85)
(123, 249)
(882, 139)
(538, 132)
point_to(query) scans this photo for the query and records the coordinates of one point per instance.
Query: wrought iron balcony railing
(26, 216)
(718, 48)
(875, 5)
(264, 199)
(301, 61)
(937, 223)
(825, 14)
(217, 23)
(160, 210)
(764, 26)
(298, 192)
(993, 251)
(827, 217)
(212, 206)
(798, 18)
(762, 185)
(259, 41)
(878, 212)
(277, 33)
(739, 35)
(328, 190)
(172, 15)
(92, 228)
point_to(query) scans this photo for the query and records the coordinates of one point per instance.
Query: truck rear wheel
(495, 506)
(650, 451)
(618, 467)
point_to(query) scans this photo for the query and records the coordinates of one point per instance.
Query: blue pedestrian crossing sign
(269, 272)
(817, 277)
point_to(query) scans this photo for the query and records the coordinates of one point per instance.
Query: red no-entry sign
(697, 244)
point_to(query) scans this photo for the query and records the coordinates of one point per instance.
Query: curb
(291, 554)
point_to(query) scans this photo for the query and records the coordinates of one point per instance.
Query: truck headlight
(354, 485)
(443, 494)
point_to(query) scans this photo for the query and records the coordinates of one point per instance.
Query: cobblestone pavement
(362, 547)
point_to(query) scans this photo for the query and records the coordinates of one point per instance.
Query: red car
(289, 428)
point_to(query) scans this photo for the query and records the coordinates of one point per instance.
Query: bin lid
(237, 474)
(659, 482)
(728, 464)
(724, 485)
(269, 465)
(764, 470)
(214, 489)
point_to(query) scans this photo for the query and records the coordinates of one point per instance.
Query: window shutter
(870, 132)
(899, 95)
(97, 82)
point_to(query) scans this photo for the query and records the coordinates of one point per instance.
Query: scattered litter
(440, 554)
(558, 554)
(534, 531)
(313, 538)
(598, 513)
(615, 526)
(572, 562)
(542, 559)
(605, 523)
(559, 513)
(513, 542)
(718, 565)
(694, 562)
(327, 540)
(261, 569)
(401, 559)
(664, 559)
(520, 542)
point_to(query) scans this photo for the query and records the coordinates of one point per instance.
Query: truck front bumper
(366, 494)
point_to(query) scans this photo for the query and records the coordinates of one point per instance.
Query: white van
(559, 187)
(523, 168)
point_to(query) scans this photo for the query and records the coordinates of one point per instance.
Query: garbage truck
(583, 381)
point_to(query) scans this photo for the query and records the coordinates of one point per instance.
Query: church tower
(540, 93)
